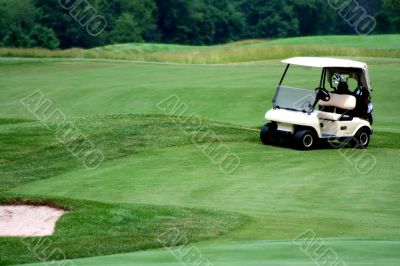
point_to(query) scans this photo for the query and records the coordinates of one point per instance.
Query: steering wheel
(323, 94)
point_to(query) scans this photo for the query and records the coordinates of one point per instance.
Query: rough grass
(223, 55)
(386, 42)
(94, 229)
(245, 51)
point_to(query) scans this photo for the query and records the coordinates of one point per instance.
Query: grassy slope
(285, 193)
(283, 190)
(245, 51)
(388, 42)
(102, 229)
(25, 156)
(92, 228)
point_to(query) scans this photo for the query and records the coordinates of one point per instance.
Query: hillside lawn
(153, 172)
(245, 51)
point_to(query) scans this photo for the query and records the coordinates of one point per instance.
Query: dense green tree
(42, 36)
(315, 17)
(275, 19)
(392, 14)
(120, 14)
(228, 22)
(15, 36)
(17, 13)
(72, 23)
(371, 6)
(67, 23)
(174, 19)
(126, 30)
(16, 20)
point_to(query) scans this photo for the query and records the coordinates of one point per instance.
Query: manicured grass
(93, 229)
(245, 51)
(286, 191)
(151, 164)
(238, 94)
(268, 253)
(27, 157)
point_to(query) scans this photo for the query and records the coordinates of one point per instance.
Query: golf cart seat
(345, 102)
(328, 116)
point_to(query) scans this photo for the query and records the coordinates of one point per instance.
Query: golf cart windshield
(294, 99)
(296, 91)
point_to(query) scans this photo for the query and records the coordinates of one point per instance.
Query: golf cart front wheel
(304, 139)
(361, 139)
(268, 134)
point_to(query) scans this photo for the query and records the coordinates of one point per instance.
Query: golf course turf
(91, 228)
(381, 46)
(154, 178)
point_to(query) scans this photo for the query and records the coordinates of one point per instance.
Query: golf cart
(339, 110)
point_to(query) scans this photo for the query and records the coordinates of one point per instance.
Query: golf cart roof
(322, 62)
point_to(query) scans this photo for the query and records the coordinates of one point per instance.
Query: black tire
(361, 139)
(305, 139)
(268, 134)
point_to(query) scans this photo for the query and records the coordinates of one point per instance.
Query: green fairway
(268, 253)
(155, 177)
(276, 186)
(237, 94)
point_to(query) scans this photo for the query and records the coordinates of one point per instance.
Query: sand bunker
(28, 221)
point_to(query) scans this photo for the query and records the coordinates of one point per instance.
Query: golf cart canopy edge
(332, 65)
(324, 62)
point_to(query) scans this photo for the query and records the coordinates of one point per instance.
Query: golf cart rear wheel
(361, 139)
(304, 139)
(268, 134)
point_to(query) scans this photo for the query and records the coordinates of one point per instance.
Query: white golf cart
(308, 117)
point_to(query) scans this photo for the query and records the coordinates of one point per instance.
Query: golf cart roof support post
(280, 83)
(284, 74)
(322, 82)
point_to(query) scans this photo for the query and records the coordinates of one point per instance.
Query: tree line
(49, 24)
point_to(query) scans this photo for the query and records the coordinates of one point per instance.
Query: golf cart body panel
(340, 114)
(325, 125)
